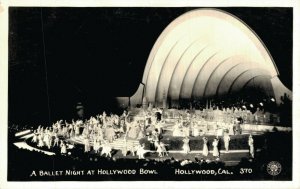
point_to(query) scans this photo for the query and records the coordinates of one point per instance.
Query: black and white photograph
(150, 94)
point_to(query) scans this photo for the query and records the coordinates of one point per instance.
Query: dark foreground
(24, 165)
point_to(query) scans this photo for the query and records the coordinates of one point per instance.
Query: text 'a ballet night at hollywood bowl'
(94, 172)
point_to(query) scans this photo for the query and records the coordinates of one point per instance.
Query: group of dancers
(100, 131)
(97, 132)
(205, 151)
(48, 137)
(216, 151)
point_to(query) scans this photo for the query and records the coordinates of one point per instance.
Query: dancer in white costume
(186, 130)
(96, 145)
(195, 128)
(163, 149)
(35, 137)
(63, 147)
(177, 131)
(77, 130)
(205, 148)
(87, 146)
(141, 151)
(106, 149)
(226, 139)
(251, 145)
(47, 140)
(56, 140)
(215, 147)
(40, 141)
(186, 145)
(159, 150)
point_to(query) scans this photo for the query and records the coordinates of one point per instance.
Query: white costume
(63, 148)
(251, 145)
(56, 140)
(195, 130)
(186, 131)
(86, 145)
(205, 148)
(41, 142)
(177, 131)
(96, 145)
(106, 149)
(141, 151)
(34, 138)
(186, 145)
(159, 150)
(215, 149)
(226, 139)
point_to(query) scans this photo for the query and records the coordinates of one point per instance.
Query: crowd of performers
(97, 132)
(215, 144)
(100, 131)
(228, 115)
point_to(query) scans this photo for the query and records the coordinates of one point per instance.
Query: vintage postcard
(125, 95)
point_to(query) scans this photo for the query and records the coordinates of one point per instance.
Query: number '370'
(245, 170)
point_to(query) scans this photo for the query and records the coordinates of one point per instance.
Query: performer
(164, 149)
(151, 140)
(141, 132)
(45, 138)
(56, 140)
(155, 137)
(77, 130)
(124, 115)
(85, 131)
(141, 151)
(186, 130)
(86, 144)
(231, 129)
(65, 132)
(40, 140)
(215, 147)
(159, 150)
(39, 129)
(35, 137)
(132, 129)
(110, 133)
(72, 133)
(49, 141)
(176, 130)
(205, 148)
(195, 129)
(186, 145)
(158, 126)
(125, 148)
(106, 149)
(100, 136)
(237, 127)
(251, 145)
(226, 139)
(148, 119)
(134, 149)
(96, 145)
(63, 147)
(122, 126)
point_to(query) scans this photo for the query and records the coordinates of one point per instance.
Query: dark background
(61, 56)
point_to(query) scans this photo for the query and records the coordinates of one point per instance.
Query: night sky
(92, 55)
